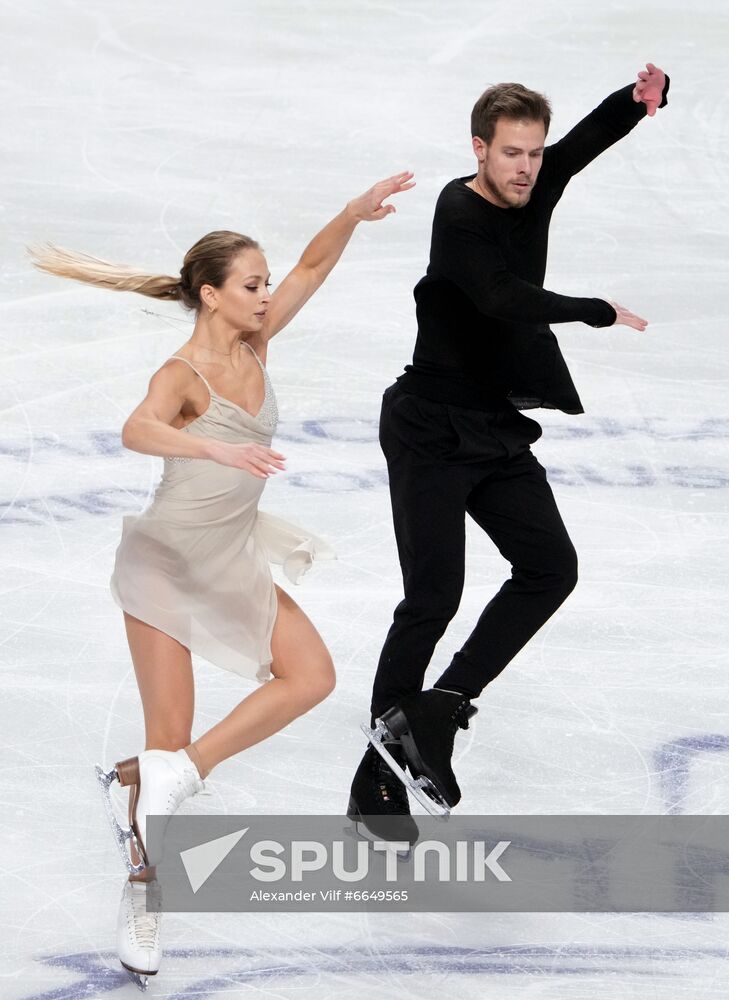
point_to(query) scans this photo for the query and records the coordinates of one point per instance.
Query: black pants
(445, 461)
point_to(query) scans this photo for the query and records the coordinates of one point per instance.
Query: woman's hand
(326, 248)
(624, 317)
(260, 461)
(369, 208)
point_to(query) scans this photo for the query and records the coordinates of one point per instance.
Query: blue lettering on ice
(338, 482)
(338, 429)
(351, 430)
(674, 761)
(60, 507)
(698, 479)
(44, 446)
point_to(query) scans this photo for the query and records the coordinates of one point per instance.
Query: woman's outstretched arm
(326, 248)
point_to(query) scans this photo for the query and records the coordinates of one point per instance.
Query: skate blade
(422, 788)
(140, 979)
(122, 834)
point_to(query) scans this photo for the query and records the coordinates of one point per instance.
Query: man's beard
(505, 196)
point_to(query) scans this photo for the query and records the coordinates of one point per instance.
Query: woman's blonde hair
(208, 262)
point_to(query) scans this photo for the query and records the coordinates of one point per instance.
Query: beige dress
(195, 563)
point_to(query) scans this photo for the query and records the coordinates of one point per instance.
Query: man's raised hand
(649, 87)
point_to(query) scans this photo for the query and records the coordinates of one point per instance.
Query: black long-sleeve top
(483, 314)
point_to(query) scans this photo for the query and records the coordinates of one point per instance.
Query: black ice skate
(426, 725)
(378, 801)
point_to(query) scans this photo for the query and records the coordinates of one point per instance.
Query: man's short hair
(508, 100)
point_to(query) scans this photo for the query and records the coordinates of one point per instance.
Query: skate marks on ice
(98, 974)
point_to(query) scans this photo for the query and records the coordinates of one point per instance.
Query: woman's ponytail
(94, 271)
(208, 262)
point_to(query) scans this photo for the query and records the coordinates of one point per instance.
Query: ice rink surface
(128, 132)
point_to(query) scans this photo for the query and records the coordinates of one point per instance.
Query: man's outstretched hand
(624, 317)
(649, 87)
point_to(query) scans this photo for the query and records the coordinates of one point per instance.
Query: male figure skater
(456, 443)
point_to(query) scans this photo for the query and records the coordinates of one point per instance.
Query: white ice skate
(422, 788)
(138, 932)
(162, 780)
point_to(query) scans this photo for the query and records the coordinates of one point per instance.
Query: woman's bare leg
(303, 675)
(164, 676)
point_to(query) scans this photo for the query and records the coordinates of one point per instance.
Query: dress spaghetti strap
(260, 363)
(178, 357)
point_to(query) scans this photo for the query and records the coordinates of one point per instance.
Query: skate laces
(188, 783)
(461, 713)
(145, 923)
(458, 720)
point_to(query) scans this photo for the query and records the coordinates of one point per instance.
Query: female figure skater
(191, 572)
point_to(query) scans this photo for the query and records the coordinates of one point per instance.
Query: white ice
(130, 130)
